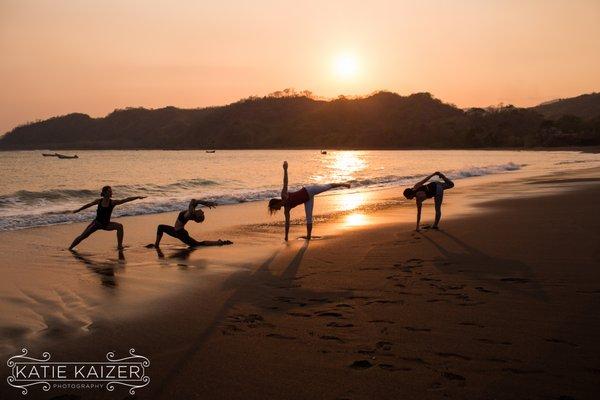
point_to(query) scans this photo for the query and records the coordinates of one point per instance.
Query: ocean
(37, 190)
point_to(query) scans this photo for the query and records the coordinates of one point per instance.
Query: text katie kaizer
(76, 371)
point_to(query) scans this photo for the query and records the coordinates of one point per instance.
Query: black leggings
(181, 234)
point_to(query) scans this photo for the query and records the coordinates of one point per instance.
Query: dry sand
(502, 303)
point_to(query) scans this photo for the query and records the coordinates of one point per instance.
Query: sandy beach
(500, 303)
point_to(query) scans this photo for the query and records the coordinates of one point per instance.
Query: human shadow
(180, 258)
(259, 288)
(506, 273)
(106, 270)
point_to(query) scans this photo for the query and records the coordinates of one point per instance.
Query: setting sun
(345, 66)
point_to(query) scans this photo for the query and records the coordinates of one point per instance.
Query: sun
(345, 66)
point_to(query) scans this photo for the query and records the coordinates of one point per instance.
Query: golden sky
(59, 56)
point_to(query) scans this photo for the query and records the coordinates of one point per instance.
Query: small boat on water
(323, 151)
(50, 154)
(210, 151)
(62, 156)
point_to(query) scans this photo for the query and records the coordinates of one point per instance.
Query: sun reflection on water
(345, 165)
(350, 201)
(355, 219)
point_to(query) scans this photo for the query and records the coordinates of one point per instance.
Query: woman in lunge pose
(178, 231)
(422, 191)
(304, 196)
(102, 220)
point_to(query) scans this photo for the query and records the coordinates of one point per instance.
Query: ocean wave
(24, 209)
(573, 162)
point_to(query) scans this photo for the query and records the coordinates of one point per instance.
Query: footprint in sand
(515, 280)
(280, 336)
(484, 290)
(386, 346)
(251, 320)
(329, 314)
(453, 377)
(381, 301)
(231, 330)
(365, 351)
(321, 300)
(413, 329)
(523, 371)
(299, 314)
(391, 367)
(361, 364)
(454, 355)
(560, 341)
(415, 360)
(382, 321)
(334, 338)
(489, 341)
(339, 325)
(471, 324)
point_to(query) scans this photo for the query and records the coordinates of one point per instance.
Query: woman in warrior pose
(178, 231)
(304, 196)
(102, 220)
(422, 191)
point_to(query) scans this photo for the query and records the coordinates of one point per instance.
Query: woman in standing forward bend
(304, 196)
(422, 191)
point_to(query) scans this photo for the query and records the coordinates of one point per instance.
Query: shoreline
(228, 322)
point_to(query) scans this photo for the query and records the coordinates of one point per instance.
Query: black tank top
(103, 213)
(430, 189)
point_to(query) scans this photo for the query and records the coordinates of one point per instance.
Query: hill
(296, 120)
(586, 106)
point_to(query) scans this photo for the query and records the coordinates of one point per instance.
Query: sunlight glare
(345, 66)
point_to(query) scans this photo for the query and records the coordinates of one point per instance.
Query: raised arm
(284, 191)
(86, 206)
(422, 182)
(127, 200)
(448, 182)
(194, 203)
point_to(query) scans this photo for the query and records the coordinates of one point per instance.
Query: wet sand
(500, 303)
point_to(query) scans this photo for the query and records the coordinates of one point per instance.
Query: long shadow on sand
(105, 269)
(510, 274)
(256, 288)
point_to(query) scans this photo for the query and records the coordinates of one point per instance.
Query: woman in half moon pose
(304, 196)
(102, 220)
(422, 191)
(178, 231)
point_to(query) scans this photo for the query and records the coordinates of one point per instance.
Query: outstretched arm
(206, 203)
(127, 200)
(194, 203)
(422, 182)
(86, 206)
(284, 191)
(287, 223)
